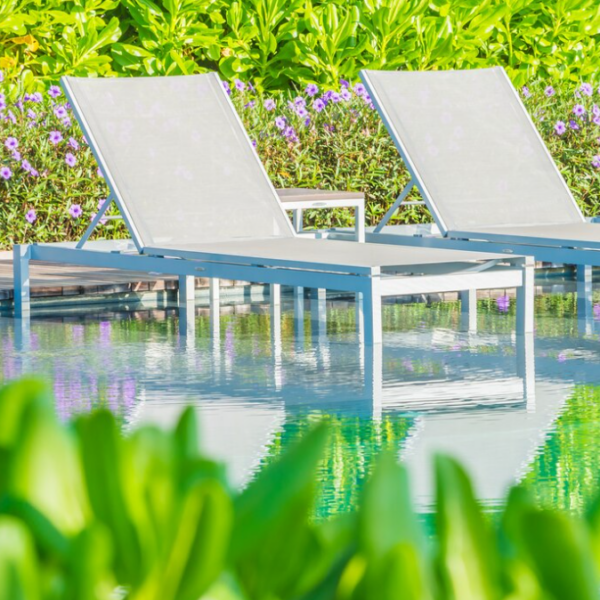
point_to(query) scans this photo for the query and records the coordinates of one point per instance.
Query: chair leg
(525, 298)
(371, 313)
(22, 291)
(275, 294)
(468, 310)
(584, 298)
(187, 289)
(215, 304)
(187, 317)
(299, 314)
(318, 311)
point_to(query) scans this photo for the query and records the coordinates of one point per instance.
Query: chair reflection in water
(482, 401)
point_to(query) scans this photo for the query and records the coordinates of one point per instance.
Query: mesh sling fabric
(179, 159)
(474, 148)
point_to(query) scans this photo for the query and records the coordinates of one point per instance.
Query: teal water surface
(512, 409)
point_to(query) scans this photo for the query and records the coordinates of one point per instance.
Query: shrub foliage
(85, 511)
(50, 186)
(279, 42)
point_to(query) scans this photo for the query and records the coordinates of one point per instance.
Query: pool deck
(64, 285)
(53, 285)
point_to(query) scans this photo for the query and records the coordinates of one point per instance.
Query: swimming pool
(511, 408)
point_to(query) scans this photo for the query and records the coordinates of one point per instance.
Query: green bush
(342, 145)
(87, 513)
(277, 43)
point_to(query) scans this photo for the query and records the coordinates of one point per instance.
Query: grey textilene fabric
(179, 158)
(328, 252)
(571, 235)
(474, 148)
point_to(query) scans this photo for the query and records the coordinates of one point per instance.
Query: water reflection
(264, 376)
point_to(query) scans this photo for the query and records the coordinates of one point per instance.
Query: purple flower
(66, 122)
(345, 94)
(60, 112)
(31, 114)
(345, 84)
(269, 104)
(55, 137)
(311, 90)
(2, 102)
(359, 89)
(26, 166)
(1, 76)
(596, 310)
(335, 97)
(34, 173)
(503, 303)
(102, 221)
(70, 159)
(301, 112)
(226, 87)
(73, 143)
(54, 91)
(290, 134)
(586, 89)
(75, 211)
(318, 105)
(560, 128)
(99, 172)
(30, 216)
(11, 143)
(573, 124)
(562, 357)
(307, 122)
(11, 116)
(596, 120)
(280, 122)
(525, 91)
(16, 155)
(549, 91)
(254, 143)
(101, 203)
(596, 110)
(250, 104)
(578, 110)
(596, 161)
(299, 102)
(5, 173)
(239, 85)
(36, 97)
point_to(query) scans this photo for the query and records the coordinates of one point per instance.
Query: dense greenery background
(89, 514)
(281, 42)
(330, 140)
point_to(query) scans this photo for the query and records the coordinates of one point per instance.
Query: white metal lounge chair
(198, 203)
(481, 168)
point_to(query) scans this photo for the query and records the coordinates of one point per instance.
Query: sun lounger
(198, 203)
(481, 167)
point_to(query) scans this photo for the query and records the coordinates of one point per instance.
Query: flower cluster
(580, 117)
(304, 111)
(48, 177)
(51, 186)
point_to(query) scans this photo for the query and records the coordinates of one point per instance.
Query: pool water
(511, 408)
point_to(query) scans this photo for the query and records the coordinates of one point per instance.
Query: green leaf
(386, 517)
(286, 486)
(559, 549)
(467, 561)
(19, 569)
